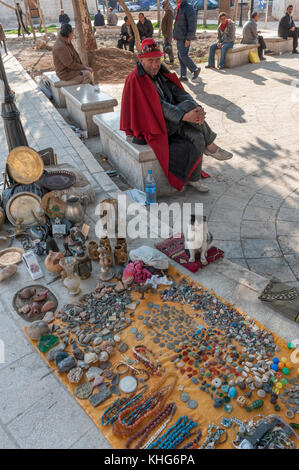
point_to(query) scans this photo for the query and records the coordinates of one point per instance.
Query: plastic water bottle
(150, 189)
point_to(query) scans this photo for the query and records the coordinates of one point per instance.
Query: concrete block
(83, 102)
(238, 55)
(56, 84)
(131, 160)
(279, 45)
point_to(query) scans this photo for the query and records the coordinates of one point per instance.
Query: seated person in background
(145, 27)
(251, 35)
(67, 63)
(126, 36)
(226, 39)
(63, 18)
(157, 111)
(99, 20)
(111, 18)
(287, 28)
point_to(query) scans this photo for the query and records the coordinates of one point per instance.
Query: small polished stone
(83, 390)
(184, 397)
(46, 342)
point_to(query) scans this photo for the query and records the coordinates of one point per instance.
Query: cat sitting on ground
(198, 239)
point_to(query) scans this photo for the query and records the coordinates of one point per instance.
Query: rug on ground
(207, 349)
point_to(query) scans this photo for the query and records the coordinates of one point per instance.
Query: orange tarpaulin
(205, 413)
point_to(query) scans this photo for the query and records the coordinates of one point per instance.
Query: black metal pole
(241, 15)
(14, 132)
(251, 7)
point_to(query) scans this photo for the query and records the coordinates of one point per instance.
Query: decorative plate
(10, 256)
(25, 206)
(24, 165)
(58, 180)
(19, 303)
(53, 206)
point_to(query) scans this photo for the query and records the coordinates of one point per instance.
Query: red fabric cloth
(142, 116)
(223, 26)
(139, 273)
(177, 13)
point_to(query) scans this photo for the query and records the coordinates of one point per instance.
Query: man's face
(290, 10)
(62, 12)
(128, 23)
(256, 18)
(141, 18)
(223, 19)
(71, 36)
(151, 65)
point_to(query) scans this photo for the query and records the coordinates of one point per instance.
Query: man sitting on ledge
(157, 111)
(67, 63)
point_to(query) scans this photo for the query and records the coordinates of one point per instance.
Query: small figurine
(105, 261)
(255, 405)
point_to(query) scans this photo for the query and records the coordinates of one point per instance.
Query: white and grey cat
(198, 238)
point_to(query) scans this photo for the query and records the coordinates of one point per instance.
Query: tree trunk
(224, 6)
(86, 39)
(132, 23)
(158, 13)
(30, 19)
(205, 12)
(235, 14)
(266, 14)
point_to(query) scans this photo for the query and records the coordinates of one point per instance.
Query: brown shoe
(220, 154)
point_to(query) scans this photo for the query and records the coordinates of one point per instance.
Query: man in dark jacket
(19, 13)
(287, 28)
(99, 19)
(184, 30)
(126, 36)
(63, 18)
(166, 28)
(145, 27)
(157, 111)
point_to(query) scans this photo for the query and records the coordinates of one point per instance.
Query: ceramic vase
(120, 256)
(93, 250)
(52, 262)
(71, 281)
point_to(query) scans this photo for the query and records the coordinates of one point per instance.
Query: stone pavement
(36, 410)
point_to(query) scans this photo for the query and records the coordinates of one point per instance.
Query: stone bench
(104, 31)
(238, 55)
(131, 160)
(279, 45)
(83, 102)
(56, 85)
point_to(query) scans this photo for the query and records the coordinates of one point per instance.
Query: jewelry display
(145, 431)
(110, 415)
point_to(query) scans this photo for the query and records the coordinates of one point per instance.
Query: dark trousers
(122, 44)
(20, 25)
(294, 35)
(262, 45)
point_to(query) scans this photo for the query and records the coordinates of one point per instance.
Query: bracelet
(119, 366)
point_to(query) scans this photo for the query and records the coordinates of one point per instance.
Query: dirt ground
(111, 65)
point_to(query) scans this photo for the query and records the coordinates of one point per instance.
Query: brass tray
(53, 206)
(56, 180)
(23, 207)
(19, 303)
(24, 165)
(10, 256)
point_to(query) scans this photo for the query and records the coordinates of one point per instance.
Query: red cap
(149, 48)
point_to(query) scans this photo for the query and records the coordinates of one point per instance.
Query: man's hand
(195, 116)
(219, 45)
(130, 38)
(292, 29)
(187, 43)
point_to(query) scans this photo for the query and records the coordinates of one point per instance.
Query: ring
(119, 366)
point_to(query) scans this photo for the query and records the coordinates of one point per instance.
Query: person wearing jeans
(184, 31)
(226, 38)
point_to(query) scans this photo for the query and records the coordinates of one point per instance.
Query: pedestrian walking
(166, 28)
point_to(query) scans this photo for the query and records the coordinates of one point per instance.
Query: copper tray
(10, 256)
(24, 165)
(25, 207)
(58, 180)
(53, 206)
(19, 303)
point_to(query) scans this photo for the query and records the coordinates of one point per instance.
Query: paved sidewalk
(36, 410)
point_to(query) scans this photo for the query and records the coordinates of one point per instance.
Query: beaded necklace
(144, 432)
(130, 419)
(150, 365)
(111, 413)
(180, 431)
(193, 444)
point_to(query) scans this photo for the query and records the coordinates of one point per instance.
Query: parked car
(199, 4)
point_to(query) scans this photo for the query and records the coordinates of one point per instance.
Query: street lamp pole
(14, 132)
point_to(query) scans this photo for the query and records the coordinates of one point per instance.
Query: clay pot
(2, 217)
(26, 293)
(52, 262)
(105, 243)
(93, 250)
(123, 243)
(120, 256)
